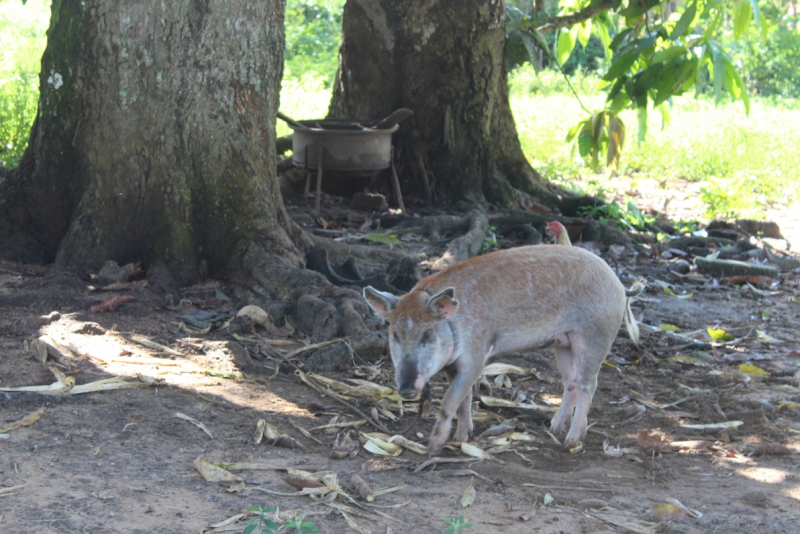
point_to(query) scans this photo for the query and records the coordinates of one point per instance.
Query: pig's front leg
(464, 425)
(458, 397)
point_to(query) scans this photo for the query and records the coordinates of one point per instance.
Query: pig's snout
(410, 381)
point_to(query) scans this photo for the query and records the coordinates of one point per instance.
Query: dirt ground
(123, 461)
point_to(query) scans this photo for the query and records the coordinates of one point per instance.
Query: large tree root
(475, 225)
(348, 354)
(579, 229)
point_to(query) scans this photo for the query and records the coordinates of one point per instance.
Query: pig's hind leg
(567, 364)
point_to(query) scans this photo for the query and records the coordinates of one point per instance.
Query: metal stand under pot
(349, 147)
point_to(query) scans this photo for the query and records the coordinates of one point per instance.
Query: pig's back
(527, 294)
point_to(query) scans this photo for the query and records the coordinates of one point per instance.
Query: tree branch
(566, 21)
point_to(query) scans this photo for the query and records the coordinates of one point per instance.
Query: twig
(338, 399)
(438, 460)
(566, 488)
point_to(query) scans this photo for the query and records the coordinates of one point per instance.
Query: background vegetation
(742, 163)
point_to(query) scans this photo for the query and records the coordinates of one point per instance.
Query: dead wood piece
(689, 242)
(341, 357)
(722, 268)
(363, 488)
(466, 246)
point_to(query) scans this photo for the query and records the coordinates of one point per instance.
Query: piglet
(504, 302)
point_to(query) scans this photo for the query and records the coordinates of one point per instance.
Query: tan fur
(504, 302)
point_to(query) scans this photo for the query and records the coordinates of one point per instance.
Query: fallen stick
(438, 460)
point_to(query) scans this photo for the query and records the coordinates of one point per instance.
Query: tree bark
(155, 142)
(445, 60)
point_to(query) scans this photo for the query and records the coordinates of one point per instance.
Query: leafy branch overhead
(655, 51)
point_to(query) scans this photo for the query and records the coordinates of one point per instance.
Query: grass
(744, 163)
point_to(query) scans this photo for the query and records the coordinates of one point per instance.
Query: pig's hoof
(558, 427)
(463, 434)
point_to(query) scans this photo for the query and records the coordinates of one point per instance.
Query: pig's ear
(380, 301)
(443, 304)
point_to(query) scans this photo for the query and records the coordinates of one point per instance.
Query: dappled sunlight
(209, 371)
(767, 475)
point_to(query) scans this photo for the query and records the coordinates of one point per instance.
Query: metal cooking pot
(349, 145)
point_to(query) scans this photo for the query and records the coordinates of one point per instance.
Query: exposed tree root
(347, 354)
(475, 225)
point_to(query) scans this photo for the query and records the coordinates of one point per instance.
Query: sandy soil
(122, 461)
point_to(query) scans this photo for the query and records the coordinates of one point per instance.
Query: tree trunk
(445, 60)
(155, 142)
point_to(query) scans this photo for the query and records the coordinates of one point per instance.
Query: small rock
(370, 202)
(756, 498)
(112, 273)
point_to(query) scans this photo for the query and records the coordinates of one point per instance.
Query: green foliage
(456, 525)
(22, 39)
(313, 29)
(263, 524)
(655, 55)
(704, 143)
(769, 67)
(627, 218)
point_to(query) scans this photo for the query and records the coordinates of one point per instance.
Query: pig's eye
(427, 337)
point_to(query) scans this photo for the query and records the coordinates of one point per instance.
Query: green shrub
(770, 68)
(22, 38)
(313, 29)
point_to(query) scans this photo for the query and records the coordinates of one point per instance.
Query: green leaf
(669, 54)
(719, 335)
(683, 24)
(733, 78)
(542, 42)
(585, 143)
(718, 71)
(386, 239)
(616, 140)
(617, 41)
(622, 64)
(642, 113)
(601, 29)
(585, 31)
(671, 293)
(730, 80)
(619, 103)
(669, 327)
(533, 51)
(566, 43)
(756, 12)
(743, 12)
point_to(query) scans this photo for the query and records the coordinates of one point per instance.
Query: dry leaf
(212, 473)
(648, 442)
(468, 497)
(195, 422)
(25, 421)
(111, 304)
